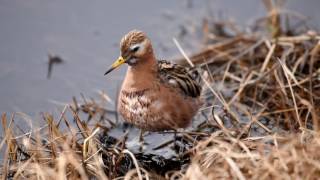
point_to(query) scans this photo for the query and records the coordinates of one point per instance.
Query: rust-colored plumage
(155, 95)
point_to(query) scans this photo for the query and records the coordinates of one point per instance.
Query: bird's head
(135, 49)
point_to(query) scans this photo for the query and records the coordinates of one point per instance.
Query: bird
(155, 95)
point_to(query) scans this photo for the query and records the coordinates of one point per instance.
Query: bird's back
(179, 77)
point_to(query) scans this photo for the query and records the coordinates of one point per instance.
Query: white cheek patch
(133, 61)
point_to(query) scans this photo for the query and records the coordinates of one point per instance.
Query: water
(86, 35)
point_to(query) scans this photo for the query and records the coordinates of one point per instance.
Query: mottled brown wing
(179, 77)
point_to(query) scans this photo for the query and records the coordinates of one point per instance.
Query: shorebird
(156, 95)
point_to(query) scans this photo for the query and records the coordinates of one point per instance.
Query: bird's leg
(178, 143)
(175, 138)
(141, 140)
(175, 135)
(141, 135)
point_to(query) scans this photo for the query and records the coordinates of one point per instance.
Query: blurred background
(83, 36)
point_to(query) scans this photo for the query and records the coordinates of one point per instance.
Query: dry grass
(267, 83)
(293, 156)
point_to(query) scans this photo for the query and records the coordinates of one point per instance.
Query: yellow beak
(116, 64)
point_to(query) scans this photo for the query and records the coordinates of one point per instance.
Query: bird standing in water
(155, 95)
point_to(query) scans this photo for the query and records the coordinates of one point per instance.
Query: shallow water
(86, 34)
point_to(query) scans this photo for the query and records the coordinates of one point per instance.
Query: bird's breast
(156, 108)
(134, 103)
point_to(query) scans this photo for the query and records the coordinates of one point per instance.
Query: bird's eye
(135, 49)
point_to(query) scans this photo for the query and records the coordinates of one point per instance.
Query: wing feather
(185, 81)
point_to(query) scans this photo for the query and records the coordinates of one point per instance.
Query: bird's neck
(140, 76)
